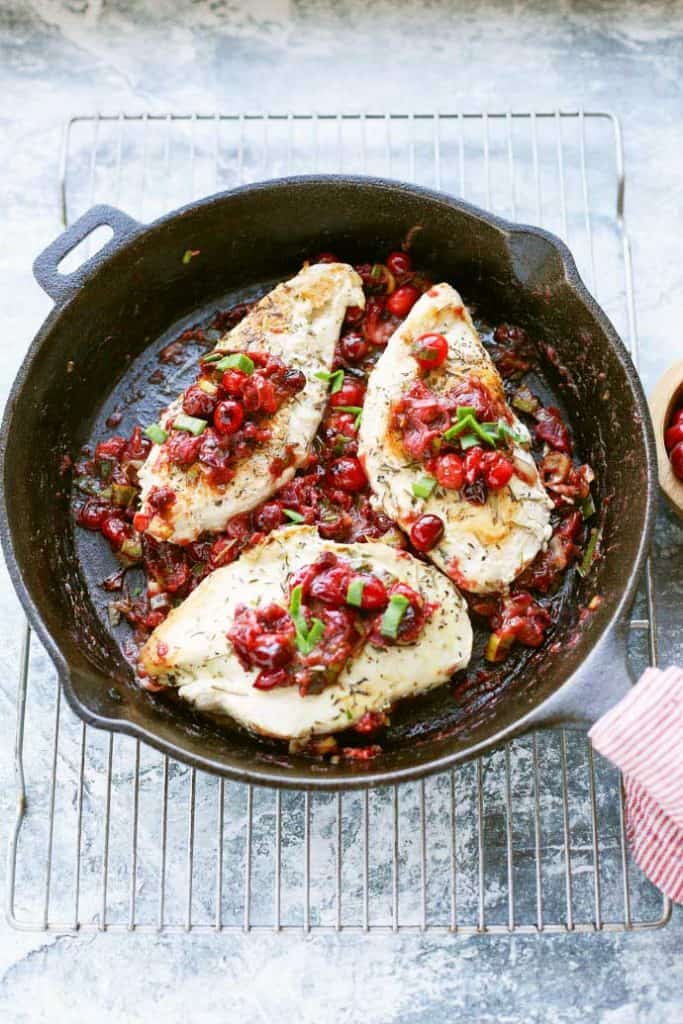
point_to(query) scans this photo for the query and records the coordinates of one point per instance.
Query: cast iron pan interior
(95, 354)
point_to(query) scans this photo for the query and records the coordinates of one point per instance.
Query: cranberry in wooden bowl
(666, 406)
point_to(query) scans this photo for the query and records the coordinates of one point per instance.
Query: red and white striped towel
(643, 737)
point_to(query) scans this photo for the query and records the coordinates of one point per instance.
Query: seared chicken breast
(298, 323)
(485, 545)
(192, 651)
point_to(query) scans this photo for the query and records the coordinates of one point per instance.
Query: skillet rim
(259, 774)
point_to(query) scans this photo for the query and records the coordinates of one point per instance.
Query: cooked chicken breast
(191, 651)
(483, 547)
(299, 322)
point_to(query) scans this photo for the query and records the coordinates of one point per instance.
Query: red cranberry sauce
(236, 405)
(330, 490)
(337, 608)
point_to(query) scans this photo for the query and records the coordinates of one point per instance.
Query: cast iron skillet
(113, 313)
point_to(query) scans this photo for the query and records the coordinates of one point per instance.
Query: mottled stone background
(60, 57)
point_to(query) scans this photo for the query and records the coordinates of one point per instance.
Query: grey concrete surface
(59, 57)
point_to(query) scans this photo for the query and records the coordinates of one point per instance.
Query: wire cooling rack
(111, 835)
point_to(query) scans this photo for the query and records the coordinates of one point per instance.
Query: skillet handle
(60, 286)
(599, 684)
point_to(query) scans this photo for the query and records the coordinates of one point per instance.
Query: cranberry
(341, 423)
(353, 346)
(374, 597)
(473, 459)
(448, 470)
(228, 417)
(673, 435)
(551, 429)
(197, 402)
(269, 680)
(402, 300)
(233, 382)
(399, 263)
(430, 351)
(183, 449)
(271, 650)
(92, 514)
(112, 448)
(676, 456)
(331, 585)
(326, 257)
(161, 497)
(351, 392)
(677, 417)
(348, 474)
(354, 315)
(259, 395)
(496, 469)
(426, 532)
(294, 381)
(268, 517)
(115, 530)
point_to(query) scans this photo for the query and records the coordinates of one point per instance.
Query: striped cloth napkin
(643, 737)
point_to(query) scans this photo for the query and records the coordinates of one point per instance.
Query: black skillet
(99, 344)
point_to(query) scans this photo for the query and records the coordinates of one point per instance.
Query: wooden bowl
(666, 397)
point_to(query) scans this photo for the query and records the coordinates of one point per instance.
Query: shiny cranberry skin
(331, 585)
(399, 263)
(353, 346)
(92, 514)
(161, 497)
(676, 418)
(269, 680)
(268, 517)
(197, 403)
(673, 435)
(342, 423)
(472, 463)
(496, 470)
(233, 382)
(271, 650)
(676, 456)
(402, 300)
(354, 315)
(326, 257)
(430, 351)
(449, 472)
(374, 597)
(259, 394)
(352, 392)
(112, 448)
(115, 530)
(228, 417)
(426, 532)
(348, 474)
(294, 381)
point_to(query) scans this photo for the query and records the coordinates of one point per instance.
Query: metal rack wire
(111, 835)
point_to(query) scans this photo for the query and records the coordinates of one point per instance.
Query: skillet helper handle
(61, 287)
(601, 682)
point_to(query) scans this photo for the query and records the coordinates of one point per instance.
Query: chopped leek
(354, 410)
(497, 648)
(155, 433)
(123, 495)
(335, 380)
(590, 553)
(236, 361)
(354, 592)
(207, 386)
(295, 517)
(393, 616)
(190, 424)
(423, 487)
